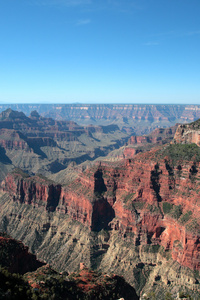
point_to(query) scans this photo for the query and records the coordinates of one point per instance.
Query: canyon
(43, 145)
(142, 118)
(137, 216)
(130, 218)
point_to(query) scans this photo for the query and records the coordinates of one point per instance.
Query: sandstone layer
(188, 133)
(139, 216)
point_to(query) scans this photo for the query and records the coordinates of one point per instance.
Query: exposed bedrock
(16, 257)
(35, 191)
(154, 202)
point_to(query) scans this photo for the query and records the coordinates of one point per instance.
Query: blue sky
(100, 51)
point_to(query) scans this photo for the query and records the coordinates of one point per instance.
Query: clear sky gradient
(100, 51)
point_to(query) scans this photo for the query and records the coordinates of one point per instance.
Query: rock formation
(40, 280)
(159, 136)
(35, 191)
(138, 217)
(157, 202)
(188, 133)
(16, 257)
(43, 145)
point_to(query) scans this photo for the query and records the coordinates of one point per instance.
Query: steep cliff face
(39, 279)
(35, 191)
(157, 202)
(131, 118)
(12, 139)
(82, 200)
(159, 206)
(157, 136)
(188, 133)
(135, 217)
(109, 111)
(38, 126)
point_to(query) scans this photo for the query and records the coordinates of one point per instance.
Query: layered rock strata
(188, 133)
(159, 136)
(157, 202)
(35, 191)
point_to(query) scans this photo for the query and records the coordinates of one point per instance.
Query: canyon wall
(158, 136)
(157, 202)
(138, 217)
(110, 111)
(188, 133)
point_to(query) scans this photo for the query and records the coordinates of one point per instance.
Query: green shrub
(167, 207)
(153, 208)
(181, 152)
(139, 205)
(151, 248)
(184, 295)
(128, 197)
(193, 226)
(185, 218)
(176, 212)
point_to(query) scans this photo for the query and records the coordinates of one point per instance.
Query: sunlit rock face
(155, 201)
(134, 217)
(188, 133)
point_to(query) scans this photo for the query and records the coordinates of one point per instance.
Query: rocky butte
(138, 217)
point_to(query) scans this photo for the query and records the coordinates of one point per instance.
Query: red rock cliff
(187, 134)
(36, 191)
(156, 201)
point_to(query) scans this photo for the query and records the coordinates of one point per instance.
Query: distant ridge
(99, 113)
(10, 114)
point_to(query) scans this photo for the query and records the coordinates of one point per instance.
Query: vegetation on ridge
(181, 152)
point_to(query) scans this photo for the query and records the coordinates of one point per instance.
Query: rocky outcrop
(139, 246)
(130, 118)
(16, 257)
(103, 284)
(39, 278)
(35, 191)
(41, 142)
(156, 202)
(152, 203)
(92, 209)
(12, 140)
(38, 126)
(158, 136)
(188, 133)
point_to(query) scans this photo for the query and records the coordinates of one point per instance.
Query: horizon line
(85, 103)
